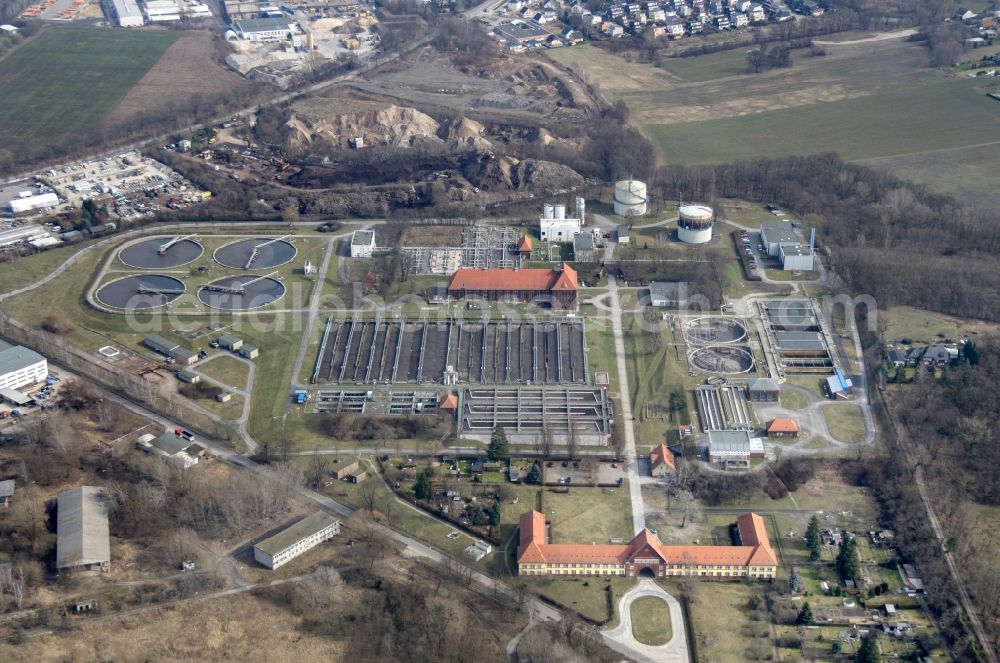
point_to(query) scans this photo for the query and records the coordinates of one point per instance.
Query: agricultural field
(67, 80)
(873, 101)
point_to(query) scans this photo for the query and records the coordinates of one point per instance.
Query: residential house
(896, 357)
(937, 355)
(782, 427)
(661, 461)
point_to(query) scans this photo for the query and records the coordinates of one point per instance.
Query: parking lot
(586, 472)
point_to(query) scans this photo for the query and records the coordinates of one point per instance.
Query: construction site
(566, 415)
(482, 247)
(451, 352)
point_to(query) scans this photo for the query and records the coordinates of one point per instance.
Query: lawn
(588, 596)
(721, 620)
(226, 369)
(68, 79)
(586, 515)
(846, 422)
(651, 621)
(793, 400)
(25, 270)
(939, 115)
(708, 67)
(919, 326)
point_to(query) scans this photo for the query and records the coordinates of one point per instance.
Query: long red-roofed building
(644, 555)
(556, 287)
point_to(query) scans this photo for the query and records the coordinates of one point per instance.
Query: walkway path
(625, 416)
(621, 639)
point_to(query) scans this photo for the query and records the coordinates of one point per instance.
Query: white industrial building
(161, 11)
(630, 198)
(363, 244)
(555, 226)
(126, 13)
(695, 224)
(733, 447)
(775, 233)
(28, 202)
(266, 29)
(796, 257)
(296, 539)
(20, 366)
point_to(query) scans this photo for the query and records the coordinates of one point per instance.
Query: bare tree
(316, 472)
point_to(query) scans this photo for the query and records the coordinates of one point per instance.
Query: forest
(885, 237)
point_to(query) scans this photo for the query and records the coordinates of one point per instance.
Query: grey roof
(170, 444)
(264, 24)
(183, 353)
(17, 358)
(4, 344)
(622, 231)
(14, 396)
(82, 528)
(247, 348)
(363, 237)
(160, 344)
(6, 488)
(779, 232)
(229, 339)
(665, 289)
(729, 440)
(295, 533)
(583, 241)
(763, 384)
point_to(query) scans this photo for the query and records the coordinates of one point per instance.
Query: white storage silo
(560, 211)
(630, 198)
(547, 212)
(695, 224)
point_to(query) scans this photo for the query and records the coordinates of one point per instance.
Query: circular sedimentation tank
(255, 253)
(721, 359)
(161, 253)
(714, 330)
(241, 293)
(630, 198)
(139, 292)
(695, 224)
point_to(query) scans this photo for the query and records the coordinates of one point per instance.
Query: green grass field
(229, 370)
(708, 67)
(68, 79)
(939, 115)
(651, 621)
(846, 422)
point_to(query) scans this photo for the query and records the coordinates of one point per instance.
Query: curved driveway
(621, 639)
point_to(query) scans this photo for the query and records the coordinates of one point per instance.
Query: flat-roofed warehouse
(296, 539)
(20, 366)
(83, 538)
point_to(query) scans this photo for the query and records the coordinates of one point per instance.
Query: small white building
(362, 243)
(172, 447)
(126, 13)
(555, 226)
(31, 202)
(296, 539)
(795, 257)
(20, 366)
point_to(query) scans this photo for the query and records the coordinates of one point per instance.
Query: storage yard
(502, 352)
(529, 413)
(130, 184)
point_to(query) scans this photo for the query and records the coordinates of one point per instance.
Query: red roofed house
(449, 402)
(661, 461)
(556, 286)
(524, 247)
(645, 555)
(782, 428)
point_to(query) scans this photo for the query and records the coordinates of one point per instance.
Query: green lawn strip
(226, 369)
(846, 422)
(651, 621)
(708, 67)
(793, 400)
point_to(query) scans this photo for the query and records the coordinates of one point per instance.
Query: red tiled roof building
(556, 287)
(645, 555)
